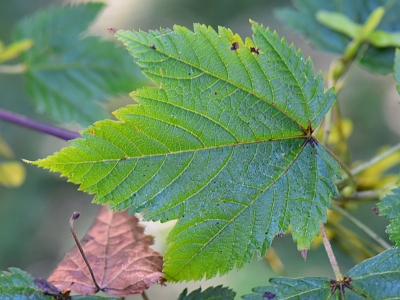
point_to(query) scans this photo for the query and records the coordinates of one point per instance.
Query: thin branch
(34, 125)
(331, 255)
(362, 226)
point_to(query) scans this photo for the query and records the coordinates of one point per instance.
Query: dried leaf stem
(331, 255)
(362, 226)
(75, 216)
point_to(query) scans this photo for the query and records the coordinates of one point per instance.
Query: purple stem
(25, 122)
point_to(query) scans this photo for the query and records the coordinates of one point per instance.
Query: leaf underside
(68, 75)
(389, 207)
(374, 278)
(304, 21)
(224, 144)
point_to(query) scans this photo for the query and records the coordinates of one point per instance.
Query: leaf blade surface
(224, 144)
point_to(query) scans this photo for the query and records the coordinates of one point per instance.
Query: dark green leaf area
(303, 20)
(379, 276)
(374, 278)
(17, 284)
(230, 157)
(67, 75)
(214, 293)
(389, 207)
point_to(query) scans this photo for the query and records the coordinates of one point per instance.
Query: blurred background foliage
(34, 232)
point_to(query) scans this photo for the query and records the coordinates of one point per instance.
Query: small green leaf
(338, 22)
(214, 293)
(67, 74)
(224, 144)
(17, 284)
(304, 20)
(374, 278)
(389, 207)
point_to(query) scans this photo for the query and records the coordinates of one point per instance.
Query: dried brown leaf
(119, 254)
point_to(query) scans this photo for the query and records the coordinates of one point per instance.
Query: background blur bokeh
(34, 232)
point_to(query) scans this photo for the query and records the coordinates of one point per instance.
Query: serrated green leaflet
(374, 278)
(67, 74)
(224, 144)
(389, 207)
(214, 293)
(377, 59)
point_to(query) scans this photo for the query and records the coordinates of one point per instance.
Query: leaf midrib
(178, 152)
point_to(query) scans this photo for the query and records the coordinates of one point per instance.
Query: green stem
(374, 160)
(331, 255)
(370, 195)
(13, 69)
(362, 226)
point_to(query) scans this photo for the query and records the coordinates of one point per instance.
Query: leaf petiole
(75, 216)
(331, 255)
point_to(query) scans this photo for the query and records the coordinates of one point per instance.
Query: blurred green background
(34, 234)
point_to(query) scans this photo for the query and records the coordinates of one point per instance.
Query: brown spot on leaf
(254, 50)
(235, 46)
(119, 254)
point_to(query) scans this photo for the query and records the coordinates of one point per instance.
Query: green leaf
(389, 207)
(224, 144)
(19, 285)
(214, 293)
(397, 69)
(67, 75)
(304, 20)
(374, 278)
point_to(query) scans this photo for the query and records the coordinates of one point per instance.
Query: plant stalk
(331, 255)
(34, 125)
(362, 226)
